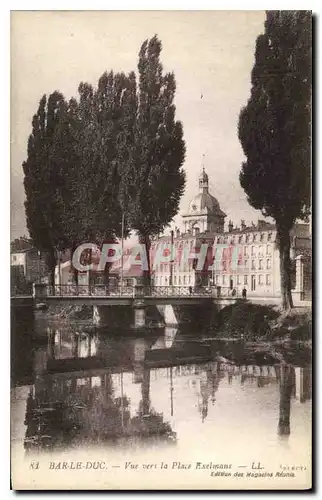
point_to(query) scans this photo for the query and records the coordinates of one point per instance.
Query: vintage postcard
(161, 240)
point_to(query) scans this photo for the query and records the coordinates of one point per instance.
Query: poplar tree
(96, 123)
(152, 178)
(275, 129)
(43, 181)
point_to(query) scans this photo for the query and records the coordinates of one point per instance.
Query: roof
(20, 245)
(205, 202)
(23, 250)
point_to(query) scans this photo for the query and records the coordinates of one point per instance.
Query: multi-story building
(239, 257)
(26, 262)
(209, 253)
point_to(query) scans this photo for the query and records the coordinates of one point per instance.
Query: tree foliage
(275, 128)
(44, 180)
(115, 150)
(94, 212)
(152, 178)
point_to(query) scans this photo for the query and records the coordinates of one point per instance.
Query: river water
(165, 408)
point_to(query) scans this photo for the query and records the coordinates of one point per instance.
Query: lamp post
(171, 259)
(39, 269)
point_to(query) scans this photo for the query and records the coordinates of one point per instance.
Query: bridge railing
(189, 291)
(87, 290)
(44, 290)
(21, 290)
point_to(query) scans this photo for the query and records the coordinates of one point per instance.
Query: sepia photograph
(161, 250)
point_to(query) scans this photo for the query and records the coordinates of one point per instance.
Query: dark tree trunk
(75, 271)
(286, 386)
(284, 244)
(144, 239)
(51, 263)
(90, 274)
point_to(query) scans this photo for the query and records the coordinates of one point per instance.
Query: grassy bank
(70, 312)
(254, 322)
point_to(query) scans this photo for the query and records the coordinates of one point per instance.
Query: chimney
(242, 225)
(230, 226)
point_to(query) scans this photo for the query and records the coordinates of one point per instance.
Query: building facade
(28, 264)
(236, 258)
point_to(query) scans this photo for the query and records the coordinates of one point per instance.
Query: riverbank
(243, 321)
(69, 312)
(253, 322)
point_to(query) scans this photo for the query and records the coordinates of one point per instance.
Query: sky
(210, 52)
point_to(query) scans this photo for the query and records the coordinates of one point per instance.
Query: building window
(246, 263)
(179, 280)
(260, 279)
(260, 264)
(156, 280)
(217, 279)
(224, 279)
(247, 238)
(184, 280)
(174, 280)
(253, 250)
(268, 263)
(238, 279)
(245, 279)
(245, 250)
(189, 279)
(269, 237)
(160, 280)
(161, 268)
(262, 237)
(240, 239)
(253, 264)
(268, 249)
(268, 279)
(255, 237)
(260, 250)
(166, 280)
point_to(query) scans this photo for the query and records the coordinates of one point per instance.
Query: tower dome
(204, 213)
(204, 203)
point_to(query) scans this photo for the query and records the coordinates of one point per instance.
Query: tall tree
(275, 129)
(152, 178)
(95, 123)
(65, 157)
(43, 181)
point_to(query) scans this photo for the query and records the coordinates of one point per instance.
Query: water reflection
(91, 389)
